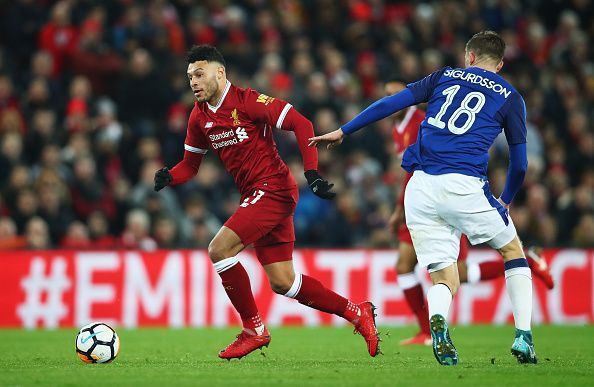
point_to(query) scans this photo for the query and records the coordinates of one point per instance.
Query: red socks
(305, 289)
(476, 272)
(491, 269)
(413, 294)
(310, 292)
(237, 285)
(416, 301)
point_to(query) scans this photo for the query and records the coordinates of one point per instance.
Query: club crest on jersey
(263, 98)
(235, 117)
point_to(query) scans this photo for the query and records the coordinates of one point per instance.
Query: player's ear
(499, 66)
(471, 57)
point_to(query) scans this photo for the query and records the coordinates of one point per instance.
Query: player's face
(203, 79)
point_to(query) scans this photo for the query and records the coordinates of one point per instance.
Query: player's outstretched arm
(375, 112)
(182, 172)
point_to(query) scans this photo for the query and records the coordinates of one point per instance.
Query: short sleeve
(423, 88)
(266, 109)
(195, 140)
(514, 120)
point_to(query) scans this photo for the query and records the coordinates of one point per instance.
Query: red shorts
(404, 236)
(265, 218)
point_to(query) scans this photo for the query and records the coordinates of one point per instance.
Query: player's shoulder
(250, 95)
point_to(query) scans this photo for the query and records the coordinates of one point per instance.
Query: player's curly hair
(204, 52)
(487, 43)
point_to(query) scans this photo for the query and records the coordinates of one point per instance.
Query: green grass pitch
(298, 357)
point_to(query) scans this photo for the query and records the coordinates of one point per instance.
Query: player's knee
(404, 266)
(512, 250)
(281, 284)
(216, 251)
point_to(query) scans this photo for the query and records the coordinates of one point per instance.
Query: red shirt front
(406, 132)
(239, 131)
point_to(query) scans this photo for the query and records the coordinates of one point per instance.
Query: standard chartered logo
(239, 135)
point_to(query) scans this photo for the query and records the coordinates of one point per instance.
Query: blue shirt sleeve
(514, 120)
(380, 109)
(423, 88)
(518, 164)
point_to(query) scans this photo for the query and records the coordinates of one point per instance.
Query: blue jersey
(467, 109)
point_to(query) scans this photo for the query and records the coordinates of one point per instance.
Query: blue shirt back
(467, 109)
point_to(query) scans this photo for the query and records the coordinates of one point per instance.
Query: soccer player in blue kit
(448, 193)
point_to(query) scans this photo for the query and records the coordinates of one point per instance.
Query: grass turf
(298, 356)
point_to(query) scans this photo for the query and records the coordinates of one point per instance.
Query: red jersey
(406, 132)
(239, 131)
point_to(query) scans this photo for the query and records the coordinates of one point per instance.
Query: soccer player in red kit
(237, 125)
(405, 131)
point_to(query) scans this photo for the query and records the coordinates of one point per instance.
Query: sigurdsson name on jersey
(479, 80)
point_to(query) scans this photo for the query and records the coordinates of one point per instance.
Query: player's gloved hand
(318, 185)
(162, 178)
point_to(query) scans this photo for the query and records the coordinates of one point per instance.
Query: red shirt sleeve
(195, 146)
(281, 115)
(264, 109)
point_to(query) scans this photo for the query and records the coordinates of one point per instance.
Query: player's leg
(437, 246)
(472, 272)
(518, 282)
(277, 262)
(248, 224)
(446, 282)
(222, 251)
(479, 215)
(412, 288)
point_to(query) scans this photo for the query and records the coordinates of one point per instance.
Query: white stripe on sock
(225, 264)
(295, 288)
(407, 280)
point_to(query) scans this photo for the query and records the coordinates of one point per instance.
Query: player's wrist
(311, 175)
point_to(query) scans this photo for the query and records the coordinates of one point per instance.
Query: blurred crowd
(94, 99)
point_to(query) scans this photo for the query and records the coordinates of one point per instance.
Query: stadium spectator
(95, 91)
(98, 226)
(37, 234)
(136, 234)
(9, 239)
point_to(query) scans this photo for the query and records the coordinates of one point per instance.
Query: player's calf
(310, 292)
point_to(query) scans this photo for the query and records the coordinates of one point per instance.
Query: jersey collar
(400, 128)
(215, 108)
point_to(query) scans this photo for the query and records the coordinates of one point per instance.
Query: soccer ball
(97, 342)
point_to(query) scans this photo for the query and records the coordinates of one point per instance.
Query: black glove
(318, 185)
(162, 178)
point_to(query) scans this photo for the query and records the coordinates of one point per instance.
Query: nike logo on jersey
(208, 124)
